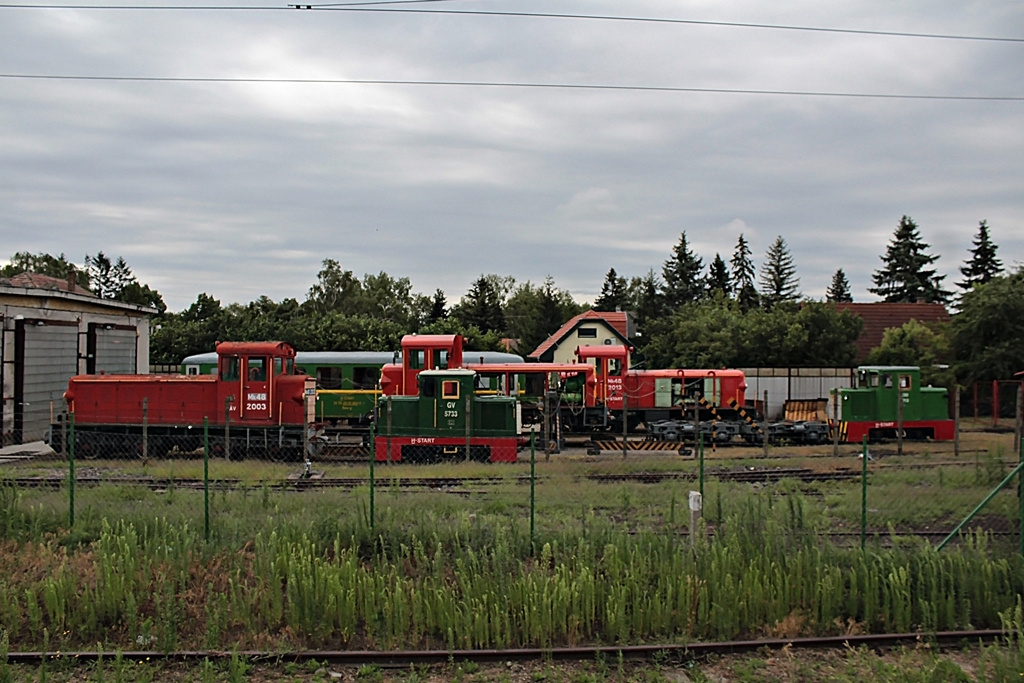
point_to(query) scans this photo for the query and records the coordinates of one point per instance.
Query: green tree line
(726, 314)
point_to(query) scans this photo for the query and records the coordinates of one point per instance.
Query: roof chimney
(71, 279)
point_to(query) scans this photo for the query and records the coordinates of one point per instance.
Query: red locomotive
(256, 402)
(588, 396)
(650, 396)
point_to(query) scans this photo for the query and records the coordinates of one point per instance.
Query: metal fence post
(145, 428)
(388, 436)
(700, 462)
(206, 477)
(533, 485)
(956, 419)
(764, 424)
(1017, 422)
(227, 428)
(373, 460)
(835, 423)
(71, 471)
(469, 425)
(899, 418)
(863, 491)
(625, 424)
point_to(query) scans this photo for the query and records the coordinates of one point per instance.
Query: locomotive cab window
(868, 380)
(278, 366)
(232, 366)
(416, 359)
(534, 385)
(904, 382)
(257, 368)
(887, 381)
(428, 387)
(450, 389)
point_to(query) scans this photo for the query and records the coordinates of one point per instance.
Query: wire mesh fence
(870, 494)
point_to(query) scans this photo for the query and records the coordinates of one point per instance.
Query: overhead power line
(357, 7)
(377, 7)
(524, 85)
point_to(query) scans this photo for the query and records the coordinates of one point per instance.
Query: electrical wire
(378, 8)
(521, 85)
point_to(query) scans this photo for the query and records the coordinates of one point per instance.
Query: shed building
(53, 329)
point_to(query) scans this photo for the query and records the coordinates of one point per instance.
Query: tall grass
(442, 576)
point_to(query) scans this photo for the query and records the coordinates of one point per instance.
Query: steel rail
(392, 658)
(752, 476)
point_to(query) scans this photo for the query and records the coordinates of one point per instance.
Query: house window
(587, 333)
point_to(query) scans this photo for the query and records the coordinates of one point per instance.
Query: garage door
(46, 355)
(111, 349)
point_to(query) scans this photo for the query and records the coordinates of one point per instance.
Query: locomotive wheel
(85, 448)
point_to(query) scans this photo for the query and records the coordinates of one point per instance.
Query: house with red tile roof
(586, 329)
(56, 284)
(881, 316)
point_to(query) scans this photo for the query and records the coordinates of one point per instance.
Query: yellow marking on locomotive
(743, 413)
(637, 445)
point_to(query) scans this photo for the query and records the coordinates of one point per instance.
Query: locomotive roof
(270, 348)
(887, 368)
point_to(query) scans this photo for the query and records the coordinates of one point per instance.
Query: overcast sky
(240, 188)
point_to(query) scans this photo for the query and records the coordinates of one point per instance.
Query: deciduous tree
(987, 334)
(44, 264)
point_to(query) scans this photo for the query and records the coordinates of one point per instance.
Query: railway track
(405, 658)
(758, 475)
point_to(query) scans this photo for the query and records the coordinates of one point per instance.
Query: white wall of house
(594, 333)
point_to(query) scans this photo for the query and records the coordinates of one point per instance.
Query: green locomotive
(444, 419)
(888, 398)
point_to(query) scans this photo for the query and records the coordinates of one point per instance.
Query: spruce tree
(983, 264)
(839, 290)
(613, 293)
(438, 307)
(482, 306)
(743, 275)
(647, 302)
(682, 273)
(718, 277)
(778, 279)
(906, 278)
